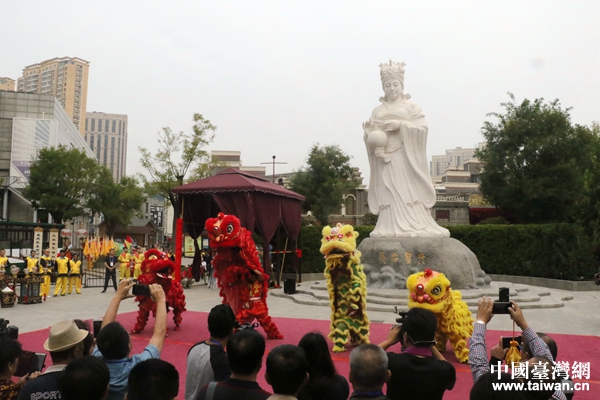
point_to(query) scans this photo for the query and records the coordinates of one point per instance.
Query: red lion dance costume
(242, 281)
(157, 268)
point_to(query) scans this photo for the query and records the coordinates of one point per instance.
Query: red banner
(178, 246)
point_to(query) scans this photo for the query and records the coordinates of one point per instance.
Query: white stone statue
(400, 188)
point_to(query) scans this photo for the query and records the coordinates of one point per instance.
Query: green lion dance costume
(347, 287)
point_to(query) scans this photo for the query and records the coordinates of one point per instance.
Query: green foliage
(495, 221)
(310, 243)
(60, 181)
(177, 153)
(370, 219)
(118, 202)
(324, 181)
(363, 232)
(588, 212)
(535, 160)
(556, 251)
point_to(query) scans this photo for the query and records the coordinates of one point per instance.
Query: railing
(452, 197)
(93, 277)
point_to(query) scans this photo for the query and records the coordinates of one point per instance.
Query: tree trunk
(57, 217)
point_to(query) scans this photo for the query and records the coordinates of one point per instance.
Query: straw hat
(64, 335)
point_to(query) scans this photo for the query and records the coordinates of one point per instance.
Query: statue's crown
(392, 70)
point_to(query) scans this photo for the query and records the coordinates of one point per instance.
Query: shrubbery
(557, 251)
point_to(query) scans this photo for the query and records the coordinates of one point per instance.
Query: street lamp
(273, 162)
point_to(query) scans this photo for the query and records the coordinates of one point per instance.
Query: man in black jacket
(420, 371)
(110, 272)
(245, 351)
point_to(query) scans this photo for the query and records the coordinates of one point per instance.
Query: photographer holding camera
(478, 351)
(420, 371)
(113, 343)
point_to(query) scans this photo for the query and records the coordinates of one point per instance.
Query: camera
(503, 304)
(7, 330)
(139, 289)
(400, 322)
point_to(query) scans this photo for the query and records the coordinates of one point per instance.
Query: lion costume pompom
(431, 290)
(347, 287)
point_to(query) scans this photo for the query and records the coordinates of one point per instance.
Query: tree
(588, 210)
(60, 181)
(118, 202)
(535, 160)
(177, 153)
(370, 219)
(324, 181)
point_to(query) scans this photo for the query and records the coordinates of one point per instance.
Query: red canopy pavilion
(259, 204)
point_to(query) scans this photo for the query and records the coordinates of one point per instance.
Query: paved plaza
(578, 314)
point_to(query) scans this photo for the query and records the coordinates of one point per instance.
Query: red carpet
(571, 348)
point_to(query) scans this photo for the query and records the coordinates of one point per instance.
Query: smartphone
(38, 362)
(25, 361)
(30, 362)
(97, 325)
(506, 341)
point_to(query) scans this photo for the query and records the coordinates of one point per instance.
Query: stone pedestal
(387, 262)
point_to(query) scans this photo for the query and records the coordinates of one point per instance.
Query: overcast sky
(276, 77)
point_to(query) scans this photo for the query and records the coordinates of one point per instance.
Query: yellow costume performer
(431, 290)
(347, 287)
(124, 267)
(46, 270)
(3, 263)
(138, 259)
(32, 262)
(3, 259)
(62, 266)
(74, 276)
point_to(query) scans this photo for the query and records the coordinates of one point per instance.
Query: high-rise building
(66, 78)
(106, 134)
(7, 84)
(28, 123)
(453, 158)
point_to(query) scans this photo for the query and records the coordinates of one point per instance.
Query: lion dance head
(158, 268)
(223, 231)
(428, 289)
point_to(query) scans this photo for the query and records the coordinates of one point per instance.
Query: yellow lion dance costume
(347, 287)
(431, 290)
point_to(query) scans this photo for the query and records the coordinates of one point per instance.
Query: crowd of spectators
(226, 365)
